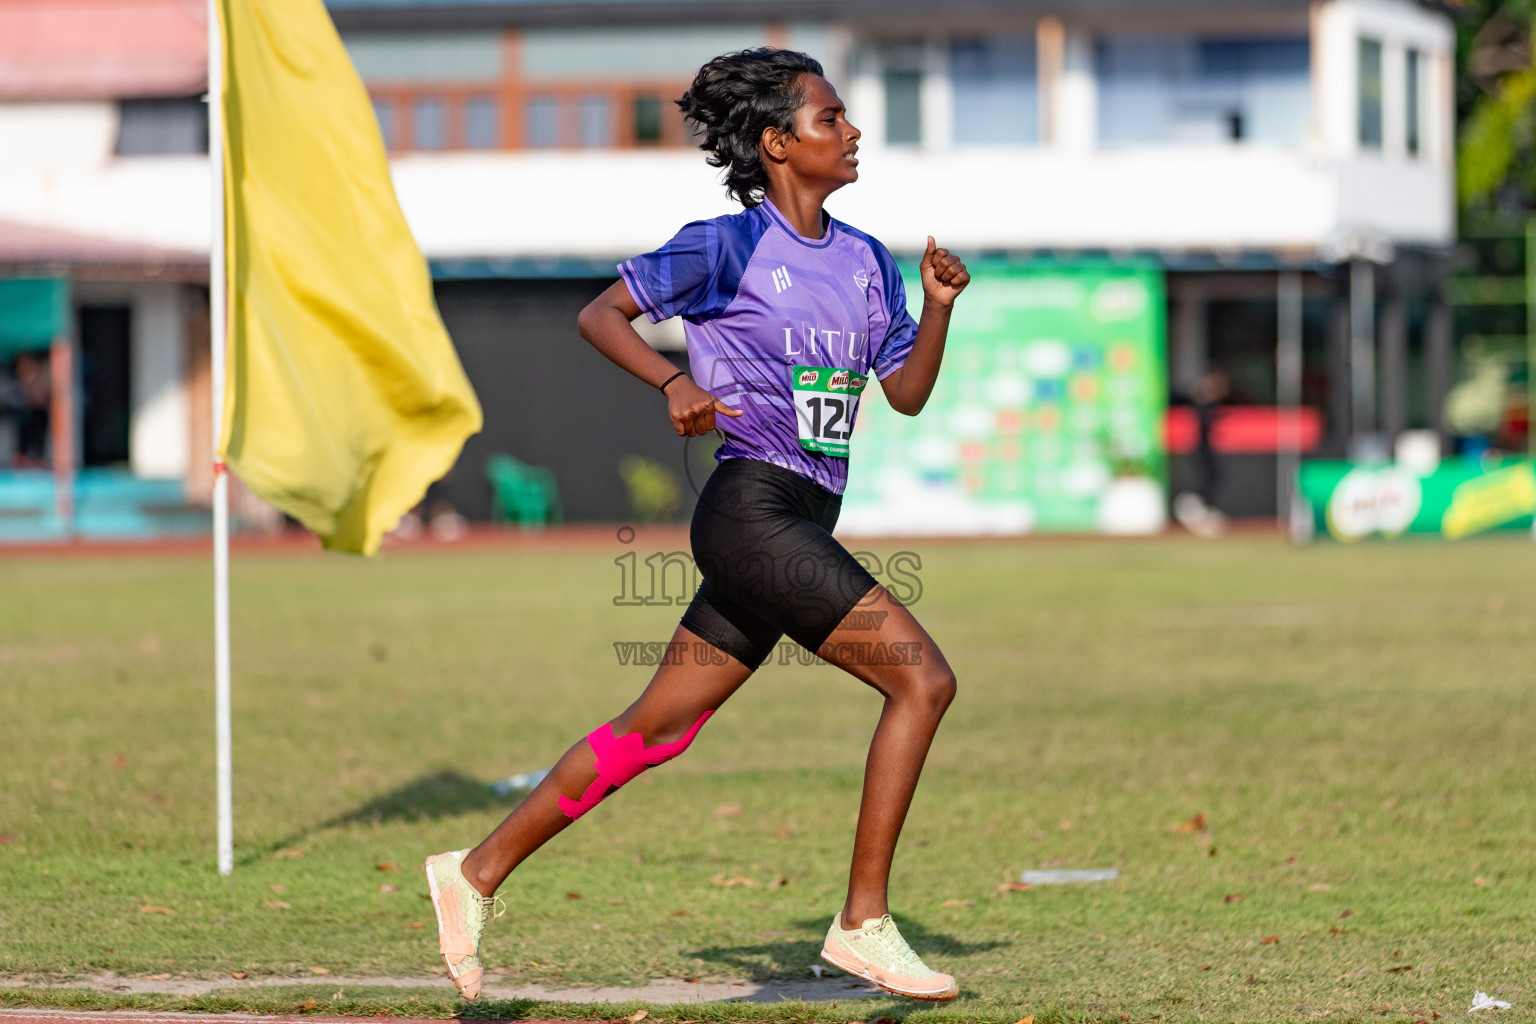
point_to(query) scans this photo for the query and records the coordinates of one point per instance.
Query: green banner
(1047, 415)
(1459, 498)
(33, 312)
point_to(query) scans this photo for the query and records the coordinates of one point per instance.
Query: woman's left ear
(773, 142)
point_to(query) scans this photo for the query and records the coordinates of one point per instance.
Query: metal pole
(1362, 348)
(61, 426)
(218, 329)
(1288, 297)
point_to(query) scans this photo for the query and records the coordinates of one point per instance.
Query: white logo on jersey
(861, 278)
(781, 279)
(828, 342)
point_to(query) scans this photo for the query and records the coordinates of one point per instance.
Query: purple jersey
(782, 327)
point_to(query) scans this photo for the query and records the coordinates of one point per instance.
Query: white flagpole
(217, 335)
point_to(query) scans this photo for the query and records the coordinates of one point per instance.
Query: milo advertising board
(1458, 498)
(1047, 415)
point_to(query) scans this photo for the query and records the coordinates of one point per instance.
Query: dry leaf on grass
(731, 883)
(638, 1016)
(239, 975)
(319, 970)
(1066, 825)
(388, 866)
(679, 913)
(291, 853)
(1319, 887)
(1269, 940)
(5, 837)
(881, 1020)
(159, 977)
(778, 883)
(150, 908)
(389, 888)
(573, 895)
(785, 832)
(957, 903)
(279, 905)
(1195, 824)
(728, 811)
(278, 887)
(1205, 967)
(1400, 970)
(1014, 887)
(1026, 1020)
(415, 924)
(119, 762)
(308, 1005)
(1232, 897)
(1479, 880)
(1346, 913)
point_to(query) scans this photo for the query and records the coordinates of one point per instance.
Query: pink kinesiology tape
(619, 759)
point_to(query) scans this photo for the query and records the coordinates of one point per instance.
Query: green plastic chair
(522, 494)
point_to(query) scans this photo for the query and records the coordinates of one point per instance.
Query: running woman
(788, 315)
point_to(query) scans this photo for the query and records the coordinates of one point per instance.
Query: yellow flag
(344, 397)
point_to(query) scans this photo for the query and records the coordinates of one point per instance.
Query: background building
(1285, 164)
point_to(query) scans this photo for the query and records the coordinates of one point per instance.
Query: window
(902, 72)
(429, 124)
(384, 110)
(1370, 94)
(482, 123)
(596, 121)
(996, 90)
(542, 125)
(422, 57)
(1167, 88)
(1413, 138)
(591, 88)
(647, 112)
(162, 127)
(630, 52)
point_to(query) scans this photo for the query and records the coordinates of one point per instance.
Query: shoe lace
(900, 956)
(487, 908)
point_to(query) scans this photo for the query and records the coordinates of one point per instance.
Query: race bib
(825, 401)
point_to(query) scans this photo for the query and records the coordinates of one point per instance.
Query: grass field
(1355, 724)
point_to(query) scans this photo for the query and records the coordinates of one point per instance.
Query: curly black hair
(733, 99)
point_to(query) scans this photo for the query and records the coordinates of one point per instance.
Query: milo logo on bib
(826, 399)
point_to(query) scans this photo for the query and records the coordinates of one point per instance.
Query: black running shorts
(762, 541)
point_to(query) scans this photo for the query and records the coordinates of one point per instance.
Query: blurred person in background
(34, 397)
(1197, 510)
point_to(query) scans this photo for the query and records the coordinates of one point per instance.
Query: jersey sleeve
(901, 331)
(682, 278)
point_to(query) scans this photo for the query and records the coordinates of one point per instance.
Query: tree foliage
(1496, 101)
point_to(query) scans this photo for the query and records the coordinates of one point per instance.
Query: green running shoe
(462, 914)
(877, 952)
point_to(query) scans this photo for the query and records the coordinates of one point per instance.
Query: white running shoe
(877, 952)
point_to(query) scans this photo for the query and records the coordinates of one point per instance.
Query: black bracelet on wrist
(662, 387)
